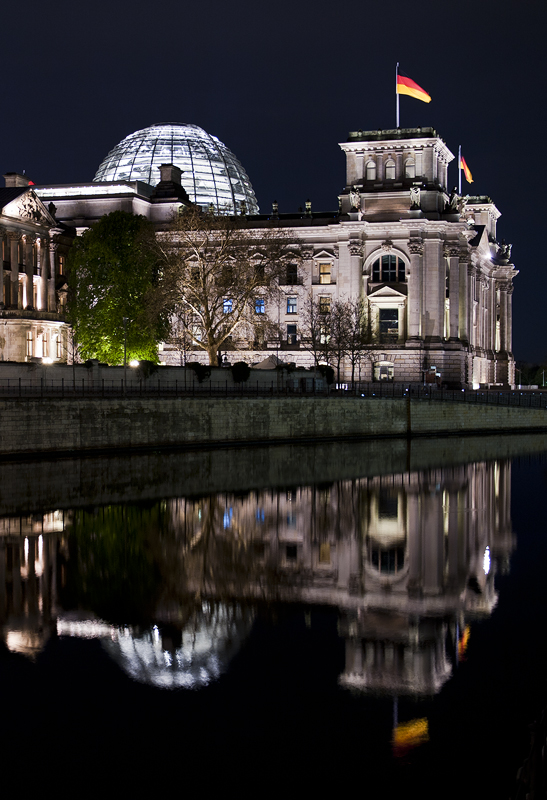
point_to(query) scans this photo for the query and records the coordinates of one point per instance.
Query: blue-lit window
(227, 305)
(291, 305)
(227, 521)
(260, 305)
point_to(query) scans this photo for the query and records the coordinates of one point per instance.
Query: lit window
(324, 553)
(260, 305)
(291, 334)
(61, 265)
(29, 343)
(410, 168)
(389, 269)
(227, 306)
(371, 171)
(291, 305)
(390, 170)
(324, 305)
(58, 345)
(324, 272)
(389, 324)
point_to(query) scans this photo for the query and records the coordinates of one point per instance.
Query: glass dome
(211, 172)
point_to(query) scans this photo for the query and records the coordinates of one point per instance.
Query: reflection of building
(28, 580)
(435, 282)
(408, 559)
(33, 290)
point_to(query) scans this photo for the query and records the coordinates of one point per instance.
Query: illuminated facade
(435, 283)
(33, 291)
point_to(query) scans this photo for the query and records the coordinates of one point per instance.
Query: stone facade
(435, 282)
(33, 290)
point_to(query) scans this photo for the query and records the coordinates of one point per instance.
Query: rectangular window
(291, 305)
(61, 265)
(29, 343)
(389, 324)
(227, 306)
(260, 305)
(292, 274)
(291, 334)
(324, 273)
(324, 305)
(58, 345)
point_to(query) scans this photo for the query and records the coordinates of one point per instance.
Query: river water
(361, 617)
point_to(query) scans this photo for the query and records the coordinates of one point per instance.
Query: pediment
(28, 207)
(323, 254)
(387, 291)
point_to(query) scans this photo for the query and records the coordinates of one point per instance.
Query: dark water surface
(365, 618)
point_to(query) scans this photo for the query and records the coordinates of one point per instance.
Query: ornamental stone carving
(451, 250)
(355, 248)
(386, 246)
(416, 247)
(307, 252)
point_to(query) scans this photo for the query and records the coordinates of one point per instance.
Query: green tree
(112, 276)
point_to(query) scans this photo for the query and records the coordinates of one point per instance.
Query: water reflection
(171, 588)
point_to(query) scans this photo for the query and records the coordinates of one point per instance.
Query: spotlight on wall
(47, 360)
(133, 363)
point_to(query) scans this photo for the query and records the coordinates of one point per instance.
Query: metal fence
(305, 387)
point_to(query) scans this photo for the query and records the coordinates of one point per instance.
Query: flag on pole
(466, 170)
(408, 86)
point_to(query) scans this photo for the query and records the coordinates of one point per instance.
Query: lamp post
(125, 320)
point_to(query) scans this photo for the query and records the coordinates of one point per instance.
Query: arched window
(388, 269)
(410, 168)
(390, 170)
(371, 171)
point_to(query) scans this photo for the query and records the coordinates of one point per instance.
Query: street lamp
(125, 321)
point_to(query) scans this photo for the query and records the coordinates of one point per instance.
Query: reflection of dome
(201, 653)
(211, 172)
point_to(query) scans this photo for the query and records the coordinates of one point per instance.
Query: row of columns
(40, 254)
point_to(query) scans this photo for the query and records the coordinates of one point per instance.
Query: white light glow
(47, 360)
(486, 561)
(93, 189)
(476, 386)
(133, 363)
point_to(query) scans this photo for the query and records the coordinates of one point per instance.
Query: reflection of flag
(466, 170)
(408, 86)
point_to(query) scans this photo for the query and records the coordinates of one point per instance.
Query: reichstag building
(435, 281)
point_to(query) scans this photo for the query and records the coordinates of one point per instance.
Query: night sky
(281, 84)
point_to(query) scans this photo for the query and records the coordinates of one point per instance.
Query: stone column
(414, 301)
(510, 318)
(51, 296)
(29, 269)
(355, 251)
(43, 273)
(503, 316)
(452, 253)
(14, 258)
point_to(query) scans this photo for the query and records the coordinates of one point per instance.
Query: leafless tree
(315, 329)
(219, 275)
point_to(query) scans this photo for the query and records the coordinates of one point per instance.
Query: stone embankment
(41, 426)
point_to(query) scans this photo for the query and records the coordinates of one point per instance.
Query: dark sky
(281, 83)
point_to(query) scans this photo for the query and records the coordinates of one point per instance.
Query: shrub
(240, 372)
(201, 371)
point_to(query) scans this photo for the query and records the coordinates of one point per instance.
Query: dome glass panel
(210, 171)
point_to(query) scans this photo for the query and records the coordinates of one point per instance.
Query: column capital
(416, 247)
(307, 251)
(355, 248)
(451, 250)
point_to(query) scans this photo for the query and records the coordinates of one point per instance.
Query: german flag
(466, 170)
(408, 86)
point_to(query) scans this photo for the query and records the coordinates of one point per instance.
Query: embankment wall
(41, 426)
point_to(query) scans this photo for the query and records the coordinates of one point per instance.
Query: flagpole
(460, 170)
(397, 94)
